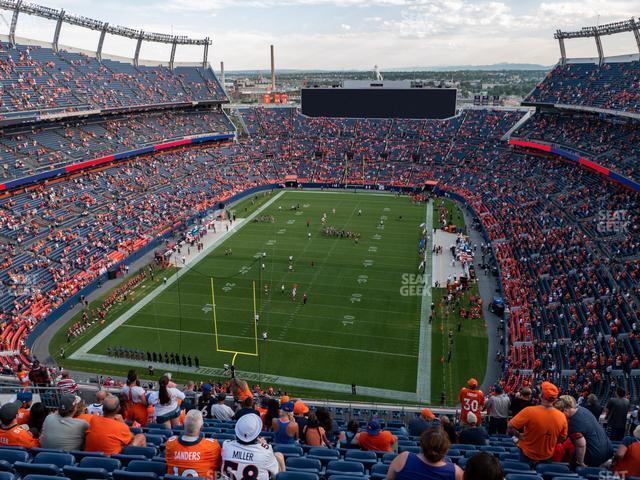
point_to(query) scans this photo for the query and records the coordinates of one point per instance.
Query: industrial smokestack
(273, 70)
(222, 74)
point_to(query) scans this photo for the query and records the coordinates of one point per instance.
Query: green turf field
(356, 326)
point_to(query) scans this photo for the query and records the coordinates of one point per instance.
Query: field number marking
(367, 263)
(363, 279)
(356, 297)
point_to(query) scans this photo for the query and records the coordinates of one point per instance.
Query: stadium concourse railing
(345, 410)
(578, 159)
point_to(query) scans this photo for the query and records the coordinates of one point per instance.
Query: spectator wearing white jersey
(249, 456)
(96, 408)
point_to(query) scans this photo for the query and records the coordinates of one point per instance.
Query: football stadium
(359, 279)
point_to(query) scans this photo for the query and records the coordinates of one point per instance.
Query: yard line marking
(311, 345)
(423, 380)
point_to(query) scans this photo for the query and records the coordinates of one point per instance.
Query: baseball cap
(8, 412)
(287, 407)
(248, 427)
(426, 413)
(24, 397)
(299, 408)
(472, 382)
(498, 389)
(221, 397)
(549, 391)
(284, 399)
(373, 427)
(67, 403)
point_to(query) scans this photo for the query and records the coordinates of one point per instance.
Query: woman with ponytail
(165, 402)
(135, 400)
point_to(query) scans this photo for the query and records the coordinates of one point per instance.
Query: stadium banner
(20, 182)
(89, 163)
(585, 162)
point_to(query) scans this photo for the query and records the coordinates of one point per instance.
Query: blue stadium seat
(347, 477)
(343, 467)
(155, 440)
(586, 471)
(515, 466)
(43, 477)
(379, 471)
(387, 458)
(402, 448)
(368, 459)
(126, 475)
(109, 464)
(9, 456)
(300, 464)
(58, 459)
(7, 476)
(164, 433)
(23, 469)
(294, 476)
(288, 450)
(158, 468)
(325, 455)
(80, 473)
(157, 426)
(178, 477)
(79, 454)
(126, 459)
(148, 451)
(550, 470)
(522, 476)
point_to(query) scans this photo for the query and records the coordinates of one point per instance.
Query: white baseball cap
(248, 427)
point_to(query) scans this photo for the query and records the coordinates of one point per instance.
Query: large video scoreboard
(435, 103)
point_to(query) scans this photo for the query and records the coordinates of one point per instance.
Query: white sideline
(423, 380)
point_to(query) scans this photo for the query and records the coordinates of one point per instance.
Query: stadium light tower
(103, 33)
(636, 32)
(56, 34)
(563, 50)
(596, 36)
(14, 23)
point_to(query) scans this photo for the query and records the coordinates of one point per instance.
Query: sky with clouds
(346, 34)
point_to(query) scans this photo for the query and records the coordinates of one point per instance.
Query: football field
(358, 324)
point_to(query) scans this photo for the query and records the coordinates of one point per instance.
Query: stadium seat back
(58, 459)
(550, 470)
(522, 476)
(148, 451)
(338, 467)
(109, 464)
(379, 471)
(295, 476)
(43, 477)
(12, 456)
(300, 464)
(288, 450)
(126, 459)
(387, 458)
(7, 476)
(522, 466)
(147, 466)
(23, 469)
(126, 475)
(81, 473)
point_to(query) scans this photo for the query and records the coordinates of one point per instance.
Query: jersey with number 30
(471, 401)
(200, 458)
(254, 461)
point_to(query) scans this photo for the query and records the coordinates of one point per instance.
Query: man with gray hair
(191, 455)
(108, 433)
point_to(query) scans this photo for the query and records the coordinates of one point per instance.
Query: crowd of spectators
(236, 429)
(30, 150)
(39, 79)
(612, 86)
(608, 141)
(565, 240)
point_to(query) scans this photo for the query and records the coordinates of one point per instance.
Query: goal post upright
(235, 353)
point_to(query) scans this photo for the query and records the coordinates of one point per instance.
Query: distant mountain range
(452, 68)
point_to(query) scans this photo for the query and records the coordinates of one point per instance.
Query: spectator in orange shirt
(190, 455)
(108, 433)
(24, 413)
(376, 439)
(540, 428)
(12, 434)
(471, 401)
